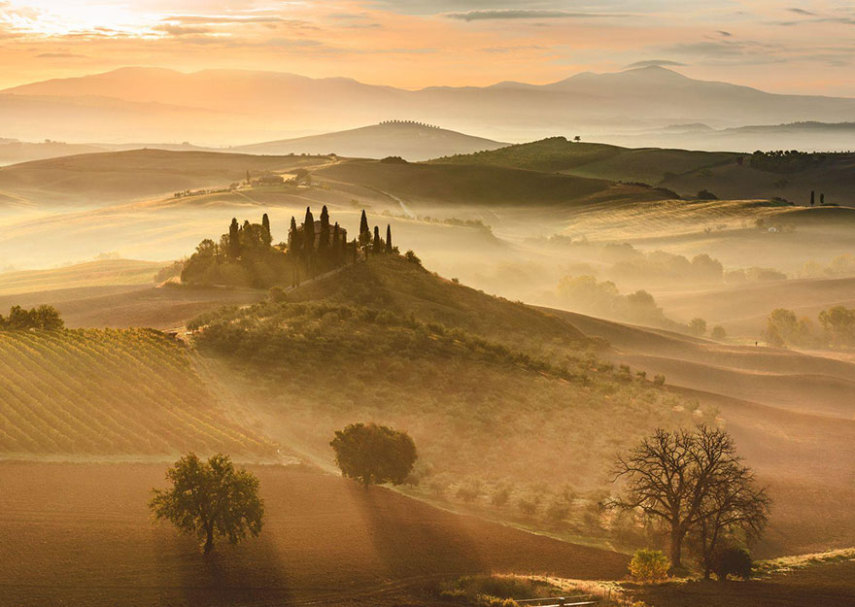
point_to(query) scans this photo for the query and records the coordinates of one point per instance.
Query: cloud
(801, 11)
(654, 63)
(60, 56)
(518, 13)
(724, 33)
(222, 20)
(180, 30)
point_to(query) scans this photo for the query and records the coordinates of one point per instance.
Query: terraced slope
(108, 392)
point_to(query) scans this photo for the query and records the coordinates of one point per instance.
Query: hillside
(89, 392)
(728, 175)
(410, 140)
(234, 107)
(107, 272)
(471, 377)
(471, 185)
(115, 177)
(325, 541)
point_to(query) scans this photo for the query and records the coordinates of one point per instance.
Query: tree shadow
(412, 539)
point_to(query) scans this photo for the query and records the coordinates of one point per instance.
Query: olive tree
(374, 454)
(210, 499)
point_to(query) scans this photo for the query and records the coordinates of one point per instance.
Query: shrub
(412, 258)
(718, 332)
(648, 565)
(732, 561)
(658, 380)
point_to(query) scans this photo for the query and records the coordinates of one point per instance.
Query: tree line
(836, 328)
(246, 255)
(45, 318)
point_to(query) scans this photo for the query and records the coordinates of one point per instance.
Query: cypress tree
(234, 239)
(378, 245)
(293, 237)
(388, 238)
(364, 230)
(812, 197)
(324, 242)
(336, 244)
(309, 233)
(822, 199)
(266, 235)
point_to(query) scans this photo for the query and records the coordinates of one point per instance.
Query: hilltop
(410, 140)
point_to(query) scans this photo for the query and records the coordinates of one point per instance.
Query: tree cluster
(45, 318)
(836, 329)
(694, 483)
(785, 161)
(245, 256)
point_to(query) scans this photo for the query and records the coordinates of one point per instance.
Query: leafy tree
(374, 454)
(732, 561)
(698, 327)
(649, 565)
(46, 318)
(718, 332)
(839, 325)
(210, 499)
(691, 481)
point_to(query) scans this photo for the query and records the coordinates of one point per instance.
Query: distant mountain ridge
(219, 107)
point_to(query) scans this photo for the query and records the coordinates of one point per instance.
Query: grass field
(89, 392)
(81, 535)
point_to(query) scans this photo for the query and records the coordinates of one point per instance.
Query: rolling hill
(115, 177)
(142, 104)
(728, 175)
(409, 140)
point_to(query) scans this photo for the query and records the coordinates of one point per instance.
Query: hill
(727, 175)
(114, 177)
(112, 272)
(450, 184)
(89, 392)
(410, 140)
(325, 540)
(144, 104)
(471, 377)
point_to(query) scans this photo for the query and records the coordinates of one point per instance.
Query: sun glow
(74, 18)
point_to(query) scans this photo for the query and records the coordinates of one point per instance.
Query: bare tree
(693, 482)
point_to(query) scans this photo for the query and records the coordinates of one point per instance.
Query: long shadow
(412, 539)
(250, 574)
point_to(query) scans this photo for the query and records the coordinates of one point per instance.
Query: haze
(431, 303)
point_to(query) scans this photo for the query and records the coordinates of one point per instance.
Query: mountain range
(230, 107)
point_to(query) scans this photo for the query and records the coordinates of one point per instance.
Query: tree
(698, 326)
(691, 481)
(374, 454)
(309, 233)
(648, 565)
(364, 230)
(265, 227)
(822, 199)
(388, 238)
(732, 561)
(812, 197)
(378, 244)
(324, 242)
(210, 499)
(234, 239)
(718, 332)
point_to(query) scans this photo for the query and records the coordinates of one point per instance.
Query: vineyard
(111, 392)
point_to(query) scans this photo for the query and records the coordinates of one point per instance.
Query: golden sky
(803, 47)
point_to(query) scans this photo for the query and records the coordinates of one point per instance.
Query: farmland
(325, 540)
(108, 392)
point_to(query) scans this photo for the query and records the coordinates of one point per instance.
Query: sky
(790, 47)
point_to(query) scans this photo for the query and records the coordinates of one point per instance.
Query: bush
(648, 565)
(718, 332)
(732, 561)
(658, 380)
(412, 258)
